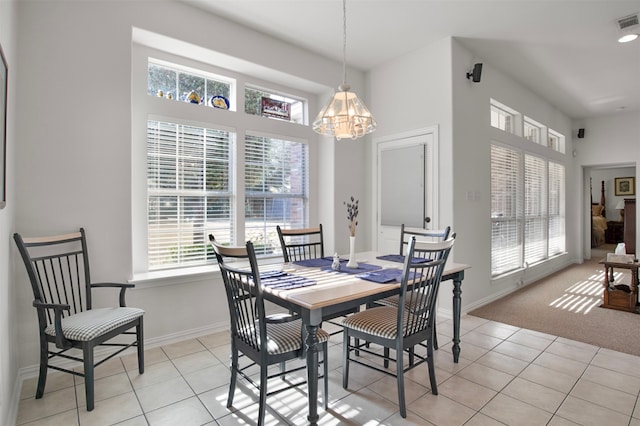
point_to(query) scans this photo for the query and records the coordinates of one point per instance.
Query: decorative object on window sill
(169, 95)
(275, 109)
(193, 97)
(345, 116)
(160, 94)
(352, 216)
(219, 102)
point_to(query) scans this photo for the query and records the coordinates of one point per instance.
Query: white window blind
(506, 210)
(556, 209)
(527, 209)
(189, 173)
(276, 189)
(535, 209)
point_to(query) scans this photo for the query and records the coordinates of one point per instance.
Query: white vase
(352, 253)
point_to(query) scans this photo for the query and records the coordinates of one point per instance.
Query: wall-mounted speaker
(476, 74)
(580, 133)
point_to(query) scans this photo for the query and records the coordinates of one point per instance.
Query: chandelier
(345, 116)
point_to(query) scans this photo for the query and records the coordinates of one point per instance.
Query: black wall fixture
(580, 133)
(476, 74)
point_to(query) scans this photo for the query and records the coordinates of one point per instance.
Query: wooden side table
(620, 296)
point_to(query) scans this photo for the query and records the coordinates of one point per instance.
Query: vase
(352, 253)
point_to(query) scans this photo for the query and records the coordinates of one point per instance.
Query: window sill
(187, 275)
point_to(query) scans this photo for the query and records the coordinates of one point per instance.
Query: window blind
(275, 189)
(189, 173)
(535, 209)
(506, 210)
(556, 209)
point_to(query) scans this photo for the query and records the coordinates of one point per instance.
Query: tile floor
(506, 376)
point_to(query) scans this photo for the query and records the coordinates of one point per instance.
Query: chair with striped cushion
(405, 326)
(264, 340)
(406, 233)
(58, 268)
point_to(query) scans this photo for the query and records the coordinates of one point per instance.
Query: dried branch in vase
(352, 215)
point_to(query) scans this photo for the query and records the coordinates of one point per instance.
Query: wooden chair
(58, 268)
(405, 326)
(301, 244)
(264, 340)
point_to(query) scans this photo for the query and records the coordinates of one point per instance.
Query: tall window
(275, 189)
(527, 209)
(189, 194)
(211, 172)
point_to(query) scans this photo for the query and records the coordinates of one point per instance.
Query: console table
(620, 296)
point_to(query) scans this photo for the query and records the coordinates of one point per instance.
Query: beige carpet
(567, 304)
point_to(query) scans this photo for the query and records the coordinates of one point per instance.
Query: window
(527, 209)
(273, 105)
(532, 130)
(182, 84)
(211, 172)
(555, 141)
(189, 194)
(275, 189)
(502, 117)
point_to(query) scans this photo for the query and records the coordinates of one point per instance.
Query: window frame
(145, 106)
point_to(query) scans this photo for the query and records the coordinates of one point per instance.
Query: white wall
(429, 87)
(75, 156)
(8, 350)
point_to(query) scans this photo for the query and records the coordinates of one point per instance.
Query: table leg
(457, 292)
(312, 372)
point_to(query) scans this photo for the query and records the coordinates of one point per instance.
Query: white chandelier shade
(345, 116)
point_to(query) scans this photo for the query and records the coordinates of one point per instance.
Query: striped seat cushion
(287, 337)
(380, 321)
(88, 325)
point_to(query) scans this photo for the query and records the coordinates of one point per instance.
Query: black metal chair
(58, 268)
(406, 234)
(301, 244)
(265, 340)
(405, 326)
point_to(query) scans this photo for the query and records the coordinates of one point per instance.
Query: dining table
(315, 290)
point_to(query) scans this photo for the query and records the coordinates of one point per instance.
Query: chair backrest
(301, 244)
(244, 295)
(429, 234)
(58, 269)
(418, 306)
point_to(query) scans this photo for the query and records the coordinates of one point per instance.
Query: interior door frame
(400, 140)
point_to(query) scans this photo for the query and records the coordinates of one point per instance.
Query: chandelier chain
(344, 41)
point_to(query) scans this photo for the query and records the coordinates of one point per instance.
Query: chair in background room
(301, 244)
(406, 234)
(263, 339)
(405, 326)
(58, 268)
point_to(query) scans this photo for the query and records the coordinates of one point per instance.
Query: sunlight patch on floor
(583, 296)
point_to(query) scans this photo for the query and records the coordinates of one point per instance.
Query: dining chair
(58, 269)
(264, 340)
(405, 326)
(406, 233)
(305, 244)
(301, 243)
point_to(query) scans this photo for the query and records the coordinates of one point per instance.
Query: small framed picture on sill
(625, 186)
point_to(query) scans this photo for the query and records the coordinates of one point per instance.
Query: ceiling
(566, 51)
